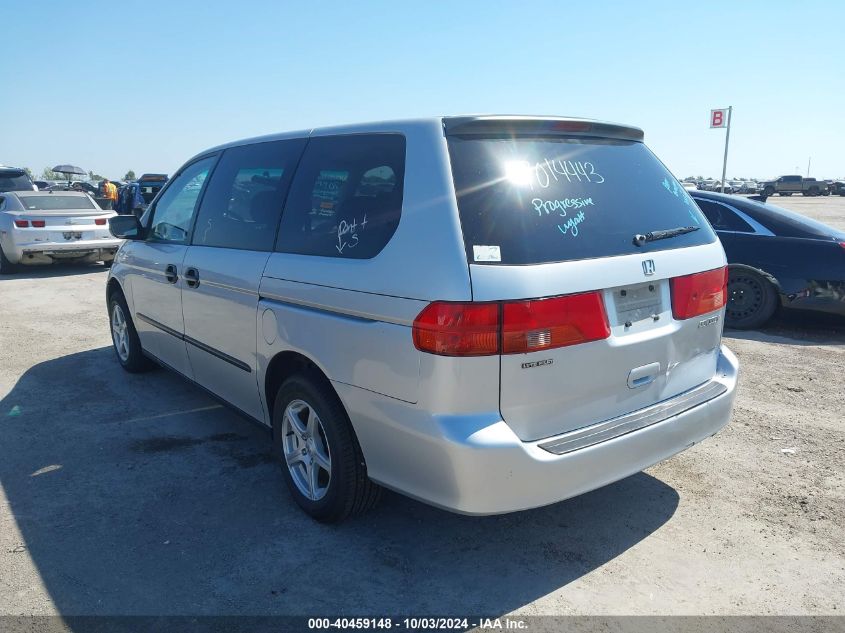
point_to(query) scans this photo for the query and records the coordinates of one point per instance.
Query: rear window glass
(539, 200)
(11, 181)
(51, 203)
(786, 223)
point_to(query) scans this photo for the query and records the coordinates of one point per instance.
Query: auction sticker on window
(486, 253)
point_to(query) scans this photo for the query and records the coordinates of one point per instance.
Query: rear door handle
(170, 274)
(192, 277)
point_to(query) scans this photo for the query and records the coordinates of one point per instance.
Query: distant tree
(130, 175)
(93, 176)
(49, 174)
(28, 172)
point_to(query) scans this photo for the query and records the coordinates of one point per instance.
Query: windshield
(53, 203)
(539, 200)
(15, 181)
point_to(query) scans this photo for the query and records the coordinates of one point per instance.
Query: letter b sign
(718, 118)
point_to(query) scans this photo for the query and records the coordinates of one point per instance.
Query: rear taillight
(100, 221)
(476, 329)
(530, 326)
(458, 329)
(21, 224)
(39, 224)
(700, 293)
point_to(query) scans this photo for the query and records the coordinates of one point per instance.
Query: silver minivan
(486, 313)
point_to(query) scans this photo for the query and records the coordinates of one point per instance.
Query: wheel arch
(765, 275)
(286, 364)
(113, 286)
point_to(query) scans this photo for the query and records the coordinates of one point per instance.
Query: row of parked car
(783, 186)
(45, 221)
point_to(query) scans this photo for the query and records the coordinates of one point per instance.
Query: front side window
(174, 212)
(244, 198)
(346, 198)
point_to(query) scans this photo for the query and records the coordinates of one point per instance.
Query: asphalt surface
(138, 494)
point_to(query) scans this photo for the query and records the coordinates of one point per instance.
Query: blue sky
(112, 86)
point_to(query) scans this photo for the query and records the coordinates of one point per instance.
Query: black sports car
(776, 258)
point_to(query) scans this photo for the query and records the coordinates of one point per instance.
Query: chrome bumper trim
(634, 421)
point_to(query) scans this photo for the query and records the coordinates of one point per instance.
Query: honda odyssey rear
(484, 313)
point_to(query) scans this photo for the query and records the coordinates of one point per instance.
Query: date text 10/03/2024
(419, 623)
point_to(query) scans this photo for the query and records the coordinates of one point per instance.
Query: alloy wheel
(306, 450)
(120, 332)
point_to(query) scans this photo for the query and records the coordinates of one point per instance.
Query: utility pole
(809, 160)
(727, 138)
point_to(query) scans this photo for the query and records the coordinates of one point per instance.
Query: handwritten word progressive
(561, 206)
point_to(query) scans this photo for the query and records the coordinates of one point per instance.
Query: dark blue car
(777, 258)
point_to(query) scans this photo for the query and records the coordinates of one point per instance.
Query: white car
(40, 227)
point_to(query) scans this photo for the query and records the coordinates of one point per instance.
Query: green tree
(49, 174)
(94, 176)
(130, 175)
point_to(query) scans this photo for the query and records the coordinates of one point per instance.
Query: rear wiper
(653, 236)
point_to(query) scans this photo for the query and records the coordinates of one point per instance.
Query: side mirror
(126, 227)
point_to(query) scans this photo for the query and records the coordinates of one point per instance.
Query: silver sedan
(39, 227)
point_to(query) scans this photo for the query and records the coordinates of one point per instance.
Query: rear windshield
(788, 223)
(539, 200)
(54, 202)
(11, 181)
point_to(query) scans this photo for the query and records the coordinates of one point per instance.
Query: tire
(127, 347)
(310, 426)
(6, 267)
(769, 191)
(752, 299)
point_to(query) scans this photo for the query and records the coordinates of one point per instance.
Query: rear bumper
(477, 465)
(79, 248)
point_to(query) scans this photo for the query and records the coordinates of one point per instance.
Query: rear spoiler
(507, 126)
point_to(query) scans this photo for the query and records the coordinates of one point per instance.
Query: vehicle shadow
(797, 328)
(140, 495)
(60, 269)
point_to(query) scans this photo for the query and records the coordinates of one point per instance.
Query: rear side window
(55, 202)
(346, 198)
(723, 219)
(539, 200)
(244, 198)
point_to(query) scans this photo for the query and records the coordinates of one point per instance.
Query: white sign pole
(727, 138)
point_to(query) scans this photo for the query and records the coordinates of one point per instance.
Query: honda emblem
(648, 267)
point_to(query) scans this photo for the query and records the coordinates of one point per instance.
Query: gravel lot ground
(140, 495)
